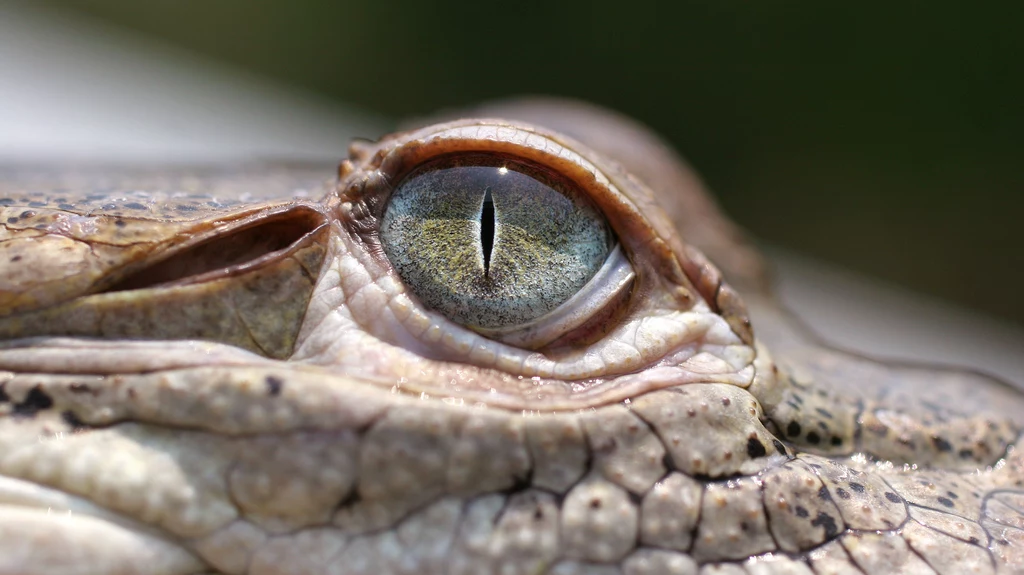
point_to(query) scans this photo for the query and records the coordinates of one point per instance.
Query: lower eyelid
(611, 282)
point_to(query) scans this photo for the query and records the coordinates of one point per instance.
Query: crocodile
(521, 339)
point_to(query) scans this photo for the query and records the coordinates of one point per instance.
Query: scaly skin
(278, 402)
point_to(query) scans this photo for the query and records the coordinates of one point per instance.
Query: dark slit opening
(221, 253)
(487, 229)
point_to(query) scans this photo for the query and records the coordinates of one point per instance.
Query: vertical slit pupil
(487, 229)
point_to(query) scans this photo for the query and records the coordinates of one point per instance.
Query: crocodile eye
(509, 249)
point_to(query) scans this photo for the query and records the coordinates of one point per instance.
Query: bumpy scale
(221, 372)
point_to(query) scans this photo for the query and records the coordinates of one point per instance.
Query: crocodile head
(479, 346)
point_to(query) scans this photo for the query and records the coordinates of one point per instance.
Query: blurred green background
(884, 137)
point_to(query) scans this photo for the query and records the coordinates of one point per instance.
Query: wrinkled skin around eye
(658, 313)
(490, 242)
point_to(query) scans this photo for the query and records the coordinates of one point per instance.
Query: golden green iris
(490, 242)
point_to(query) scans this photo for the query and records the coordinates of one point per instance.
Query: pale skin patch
(680, 434)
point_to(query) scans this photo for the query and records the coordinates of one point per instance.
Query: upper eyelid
(483, 136)
(400, 155)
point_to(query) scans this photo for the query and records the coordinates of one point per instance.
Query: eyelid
(610, 282)
(487, 137)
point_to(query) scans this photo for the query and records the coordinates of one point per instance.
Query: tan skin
(236, 379)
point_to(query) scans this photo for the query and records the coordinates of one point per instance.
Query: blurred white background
(73, 88)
